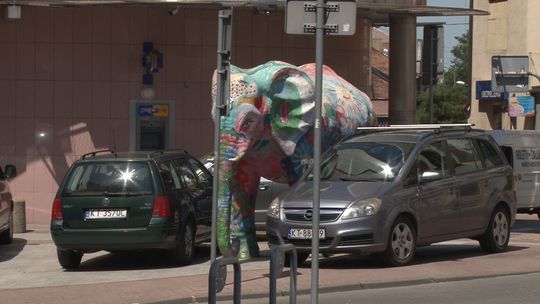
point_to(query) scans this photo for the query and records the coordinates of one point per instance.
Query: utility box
(13, 12)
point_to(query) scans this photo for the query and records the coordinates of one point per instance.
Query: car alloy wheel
(402, 241)
(500, 228)
(401, 245)
(497, 234)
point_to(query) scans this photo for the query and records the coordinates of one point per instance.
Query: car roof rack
(420, 126)
(162, 152)
(435, 127)
(92, 154)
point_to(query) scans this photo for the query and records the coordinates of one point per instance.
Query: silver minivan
(389, 191)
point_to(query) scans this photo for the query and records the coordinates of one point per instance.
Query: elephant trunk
(236, 198)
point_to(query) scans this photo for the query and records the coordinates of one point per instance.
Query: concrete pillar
(402, 104)
(19, 216)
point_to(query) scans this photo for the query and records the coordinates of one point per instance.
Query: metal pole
(319, 48)
(223, 55)
(432, 40)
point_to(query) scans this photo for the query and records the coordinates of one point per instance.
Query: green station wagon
(132, 201)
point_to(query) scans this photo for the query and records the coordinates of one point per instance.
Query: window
(189, 180)
(112, 177)
(432, 162)
(205, 178)
(359, 161)
(509, 154)
(464, 155)
(490, 155)
(171, 181)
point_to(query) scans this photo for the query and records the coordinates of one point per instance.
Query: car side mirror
(10, 172)
(428, 176)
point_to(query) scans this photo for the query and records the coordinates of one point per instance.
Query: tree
(450, 100)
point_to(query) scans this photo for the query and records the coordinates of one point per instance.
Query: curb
(332, 289)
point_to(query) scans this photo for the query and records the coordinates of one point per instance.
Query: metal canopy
(377, 12)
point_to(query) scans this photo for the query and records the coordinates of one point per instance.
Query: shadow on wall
(43, 152)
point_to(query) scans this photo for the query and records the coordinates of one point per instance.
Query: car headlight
(361, 208)
(273, 209)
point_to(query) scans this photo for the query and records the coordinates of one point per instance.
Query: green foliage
(450, 100)
(449, 105)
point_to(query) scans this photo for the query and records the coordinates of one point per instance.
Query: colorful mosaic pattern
(269, 133)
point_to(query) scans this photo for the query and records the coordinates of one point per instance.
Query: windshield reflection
(364, 161)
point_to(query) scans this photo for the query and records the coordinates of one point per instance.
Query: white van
(522, 149)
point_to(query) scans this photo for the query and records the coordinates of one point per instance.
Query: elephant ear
(292, 108)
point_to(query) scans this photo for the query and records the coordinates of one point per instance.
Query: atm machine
(151, 125)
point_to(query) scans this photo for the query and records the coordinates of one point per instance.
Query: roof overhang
(377, 12)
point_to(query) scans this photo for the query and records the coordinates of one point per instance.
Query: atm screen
(152, 141)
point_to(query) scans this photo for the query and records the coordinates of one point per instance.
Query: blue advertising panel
(484, 92)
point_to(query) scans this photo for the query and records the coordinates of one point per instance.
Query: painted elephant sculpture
(269, 133)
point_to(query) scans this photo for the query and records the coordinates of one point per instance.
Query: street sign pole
(304, 17)
(220, 108)
(319, 52)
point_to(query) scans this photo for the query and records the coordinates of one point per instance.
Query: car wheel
(497, 235)
(301, 258)
(183, 253)
(6, 237)
(69, 259)
(401, 245)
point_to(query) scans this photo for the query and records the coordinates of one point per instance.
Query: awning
(377, 12)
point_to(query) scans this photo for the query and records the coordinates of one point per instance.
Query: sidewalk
(96, 282)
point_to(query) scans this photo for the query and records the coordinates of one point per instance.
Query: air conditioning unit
(13, 12)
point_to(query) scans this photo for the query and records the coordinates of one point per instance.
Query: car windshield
(364, 161)
(111, 178)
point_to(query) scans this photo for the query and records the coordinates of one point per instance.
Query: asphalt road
(498, 290)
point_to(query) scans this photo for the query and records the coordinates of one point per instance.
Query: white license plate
(105, 214)
(305, 234)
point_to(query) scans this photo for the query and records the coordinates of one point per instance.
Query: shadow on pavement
(527, 226)
(424, 255)
(9, 251)
(138, 260)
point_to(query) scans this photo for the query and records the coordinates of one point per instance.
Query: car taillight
(162, 207)
(56, 213)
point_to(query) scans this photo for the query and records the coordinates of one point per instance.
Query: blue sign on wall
(146, 110)
(484, 92)
(152, 61)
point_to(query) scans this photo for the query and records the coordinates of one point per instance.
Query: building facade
(70, 75)
(511, 29)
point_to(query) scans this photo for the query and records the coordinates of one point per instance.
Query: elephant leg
(243, 230)
(223, 229)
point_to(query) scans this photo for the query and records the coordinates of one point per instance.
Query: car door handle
(262, 188)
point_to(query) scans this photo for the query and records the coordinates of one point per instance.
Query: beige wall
(69, 74)
(510, 29)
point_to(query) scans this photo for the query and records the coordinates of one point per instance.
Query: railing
(276, 266)
(218, 275)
